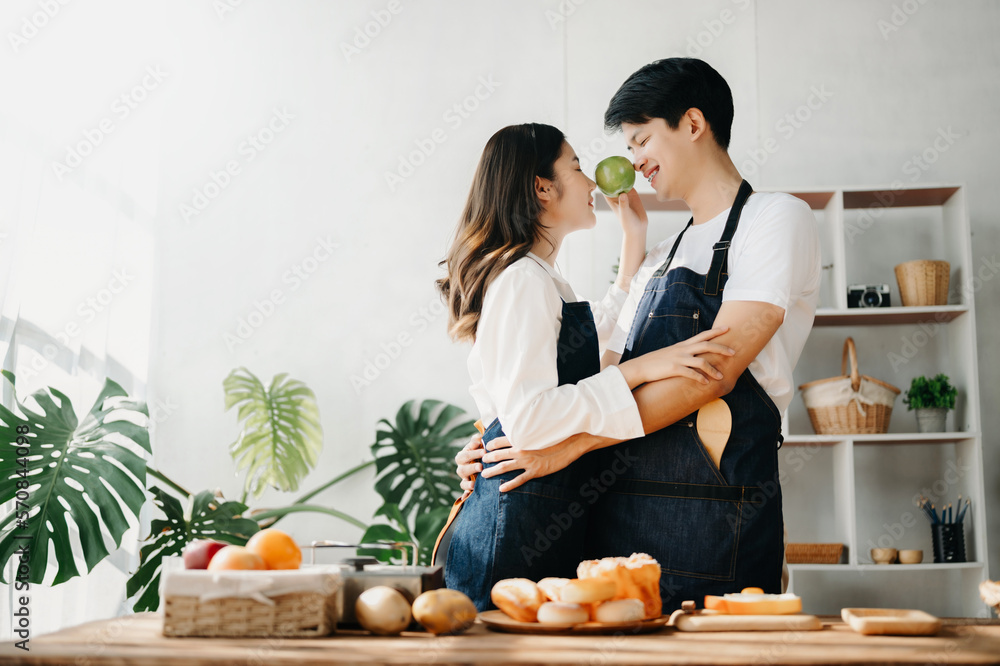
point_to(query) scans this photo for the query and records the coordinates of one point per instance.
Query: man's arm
(661, 403)
(751, 324)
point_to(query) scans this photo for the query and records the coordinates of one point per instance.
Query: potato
(382, 610)
(444, 611)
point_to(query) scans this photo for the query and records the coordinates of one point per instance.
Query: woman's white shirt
(513, 362)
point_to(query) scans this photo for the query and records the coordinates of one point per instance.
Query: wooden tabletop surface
(137, 639)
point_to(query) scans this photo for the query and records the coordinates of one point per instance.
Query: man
(746, 261)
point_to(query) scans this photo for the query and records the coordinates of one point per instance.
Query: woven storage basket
(923, 282)
(814, 553)
(852, 404)
(258, 611)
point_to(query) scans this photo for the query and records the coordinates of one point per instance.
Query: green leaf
(426, 531)
(383, 532)
(415, 463)
(281, 437)
(67, 463)
(211, 518)
(415, 456)
(927, 393)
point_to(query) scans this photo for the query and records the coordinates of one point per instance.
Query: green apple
(615, 175)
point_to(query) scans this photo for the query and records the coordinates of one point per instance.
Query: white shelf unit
(859, 490)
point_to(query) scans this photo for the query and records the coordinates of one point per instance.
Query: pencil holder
(949, 542)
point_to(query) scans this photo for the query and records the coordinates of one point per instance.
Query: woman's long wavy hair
(501, 220)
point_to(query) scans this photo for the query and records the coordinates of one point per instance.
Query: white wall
(323, 176)
(356, 115)
(882, 95)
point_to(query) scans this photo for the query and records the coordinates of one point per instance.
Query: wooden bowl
(911, 556)
(884, 555)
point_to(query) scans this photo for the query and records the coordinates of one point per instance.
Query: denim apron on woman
(538, 529)
(714, 529)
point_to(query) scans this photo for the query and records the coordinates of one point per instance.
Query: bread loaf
(637, 577)
(519, 598)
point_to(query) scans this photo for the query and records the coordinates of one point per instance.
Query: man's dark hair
(667, 89)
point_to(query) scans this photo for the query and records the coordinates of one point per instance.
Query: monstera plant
(281, 436)
(51, 462)
(415, 462)
(91, 474)
(279, 443)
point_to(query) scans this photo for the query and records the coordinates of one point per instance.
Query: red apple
(198, 553)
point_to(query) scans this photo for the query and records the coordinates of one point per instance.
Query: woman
(535, 360)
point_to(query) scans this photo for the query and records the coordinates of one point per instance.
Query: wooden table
(136, 639)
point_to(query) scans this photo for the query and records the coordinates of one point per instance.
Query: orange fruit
(276, 548)
(235, 558)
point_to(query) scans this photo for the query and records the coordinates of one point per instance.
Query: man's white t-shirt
(774, 257)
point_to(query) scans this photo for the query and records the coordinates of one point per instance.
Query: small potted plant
(931, 398)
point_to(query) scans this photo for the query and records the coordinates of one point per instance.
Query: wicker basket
(849, 404)
(296, 615)
(264, 605)
(814, 553)
(923, 282)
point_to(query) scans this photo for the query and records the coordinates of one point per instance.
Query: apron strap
(720, 257)
(662, 270)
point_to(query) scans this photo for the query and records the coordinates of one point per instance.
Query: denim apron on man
(714, 529)
(538, 529)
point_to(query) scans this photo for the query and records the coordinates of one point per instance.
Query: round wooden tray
(500, 621)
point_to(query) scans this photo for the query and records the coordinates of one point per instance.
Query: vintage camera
(868, 296)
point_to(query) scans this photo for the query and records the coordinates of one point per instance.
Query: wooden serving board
(719, 622)
(891, 621)
(500, 621)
